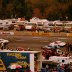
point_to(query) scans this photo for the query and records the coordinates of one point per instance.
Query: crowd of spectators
(56, 68)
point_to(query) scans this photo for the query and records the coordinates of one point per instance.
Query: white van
(30, 26)
(59, 59)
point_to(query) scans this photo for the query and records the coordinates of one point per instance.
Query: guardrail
(53, 34)
(22, 33)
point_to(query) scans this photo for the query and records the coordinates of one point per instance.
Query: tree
(36, 12)
(51, 9)
(28, 9)
(19, 8)
(42, 4)
(63, 1)
(5, 2)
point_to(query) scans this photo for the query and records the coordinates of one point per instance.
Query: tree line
(49, 9)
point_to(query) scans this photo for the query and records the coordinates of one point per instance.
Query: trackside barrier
(40, 34)
(57, 34)
(69, 34)
(22, 33)
(49, 34)
(44, 34)
(35, 34)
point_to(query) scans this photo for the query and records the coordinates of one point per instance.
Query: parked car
(67, 29)
(40, 27)
(8, 27)
(46, 29)
(30, 26)
(19, 27)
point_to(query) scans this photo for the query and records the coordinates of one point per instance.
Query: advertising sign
(6, 33)
(14, 61)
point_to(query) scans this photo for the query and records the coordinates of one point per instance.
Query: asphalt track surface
(33, 42)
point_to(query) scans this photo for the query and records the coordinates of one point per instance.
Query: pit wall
(22, 33)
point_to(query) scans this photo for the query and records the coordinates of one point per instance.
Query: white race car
(3, 41)
(56, 44)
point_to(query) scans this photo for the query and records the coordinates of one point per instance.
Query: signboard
(6, 33)
(14, 61)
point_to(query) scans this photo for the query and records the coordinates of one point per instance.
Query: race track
(33, 42)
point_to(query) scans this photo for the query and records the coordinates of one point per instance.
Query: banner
(14, 61)
(7, 33)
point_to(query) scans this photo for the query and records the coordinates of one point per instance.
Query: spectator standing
(67, 68)
(5, 45)
(43, 69)
(58, 68)
(2, 45)
(47, 68)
